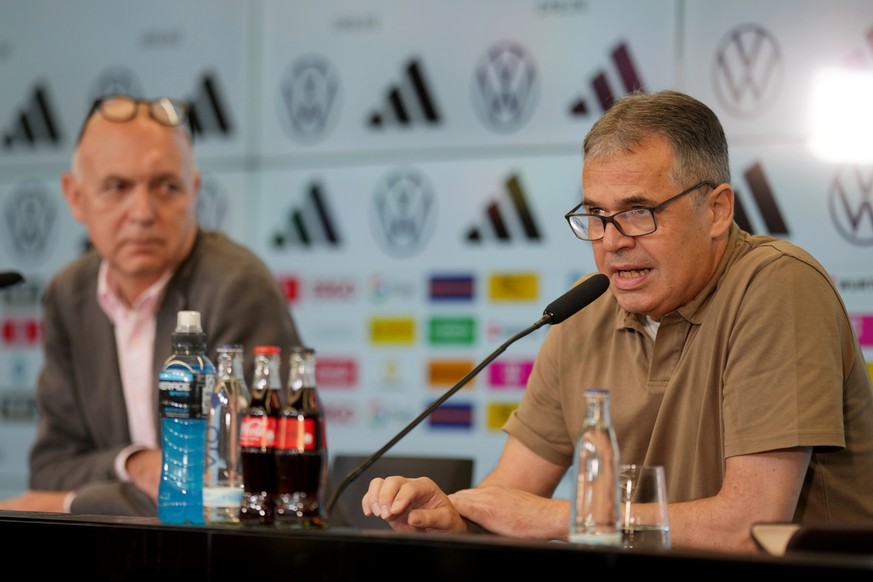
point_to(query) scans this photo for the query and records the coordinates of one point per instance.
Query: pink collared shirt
(134, 341)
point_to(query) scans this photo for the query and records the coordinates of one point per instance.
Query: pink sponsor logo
(334, 289)
(863, 325)
(336, 372)
(510, 374)
(340, 413)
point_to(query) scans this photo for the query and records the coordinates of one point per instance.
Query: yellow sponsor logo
(497, 413)
(392, 330)
(448, 372)
(513, 287)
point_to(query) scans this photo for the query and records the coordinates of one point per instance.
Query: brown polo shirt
(763, 358)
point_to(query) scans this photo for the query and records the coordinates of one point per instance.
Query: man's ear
(722, 208)
(70, 187)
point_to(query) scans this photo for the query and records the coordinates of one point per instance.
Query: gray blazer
(82, 417)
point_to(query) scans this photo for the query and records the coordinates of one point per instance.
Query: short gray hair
(691, 128)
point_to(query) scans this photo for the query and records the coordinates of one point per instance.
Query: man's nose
(142, 203)
(613, 237)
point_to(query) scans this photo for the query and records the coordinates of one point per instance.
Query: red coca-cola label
(258, 432)
(296, 434)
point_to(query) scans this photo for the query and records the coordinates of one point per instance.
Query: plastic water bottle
(595, 508)
(185, 385)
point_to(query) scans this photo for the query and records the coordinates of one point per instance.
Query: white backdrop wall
(403, 166)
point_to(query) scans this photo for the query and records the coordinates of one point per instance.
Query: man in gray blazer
(109, 314)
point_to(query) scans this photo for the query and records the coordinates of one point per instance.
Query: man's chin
(137, 268)
(631, 302)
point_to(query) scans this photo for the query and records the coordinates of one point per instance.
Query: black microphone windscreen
(577, 298)
(10, 278)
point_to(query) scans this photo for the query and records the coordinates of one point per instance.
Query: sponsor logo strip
(497, 413)
(451, 330)
(513, 287)
(449, 372)
(509, 374)
(451, 288)
(452, 416)
(397, 330)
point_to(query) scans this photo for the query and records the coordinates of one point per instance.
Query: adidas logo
(35, 125)
(507, 223)
(407, 103)
(209, 113)
(763, 197)
(603, 89)
(309, 225)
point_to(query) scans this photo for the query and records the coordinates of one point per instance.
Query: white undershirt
(652, 327)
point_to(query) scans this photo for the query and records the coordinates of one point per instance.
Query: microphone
(557, 311)
(10, 278)
(574, 300)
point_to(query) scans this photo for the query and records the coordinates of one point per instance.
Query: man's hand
(412, 505)
(144, 468)
(50, 501)
(513, 512)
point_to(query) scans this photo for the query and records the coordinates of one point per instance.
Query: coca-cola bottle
(257, 439)
(301, 447)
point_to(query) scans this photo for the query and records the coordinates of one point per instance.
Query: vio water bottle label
(222, 497)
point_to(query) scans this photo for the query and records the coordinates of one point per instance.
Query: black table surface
(125, 548)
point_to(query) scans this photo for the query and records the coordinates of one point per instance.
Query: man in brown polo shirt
(730, 358)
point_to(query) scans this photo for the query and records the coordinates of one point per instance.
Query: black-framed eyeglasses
(634, 222)
(120, 108)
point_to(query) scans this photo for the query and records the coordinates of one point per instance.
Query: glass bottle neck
(302, 370)
(597, 410)
(267, 373)
(229, 363)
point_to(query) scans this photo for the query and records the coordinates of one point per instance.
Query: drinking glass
(644, 521)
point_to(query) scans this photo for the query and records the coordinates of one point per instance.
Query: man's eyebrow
(636, 200)
(166, 176)
(114, 178)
